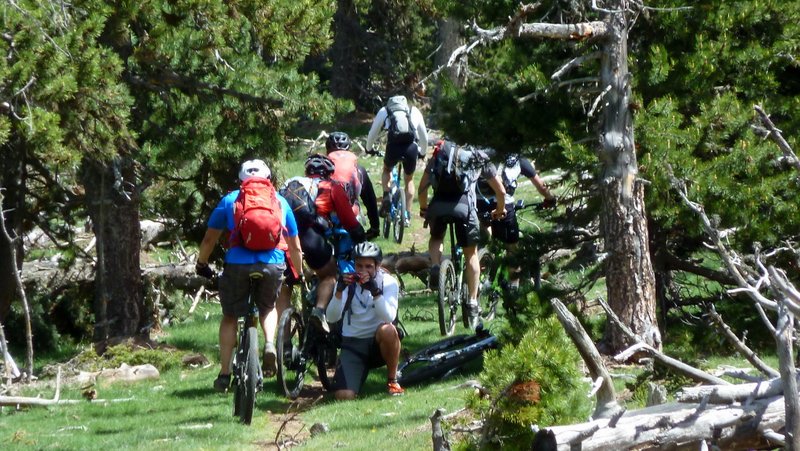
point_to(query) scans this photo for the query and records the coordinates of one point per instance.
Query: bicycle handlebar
(374, 152)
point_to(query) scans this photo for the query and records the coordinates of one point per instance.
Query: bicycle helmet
(321, 165)
(368, 249)
(337, 141)
(511, 160)
(254, 168)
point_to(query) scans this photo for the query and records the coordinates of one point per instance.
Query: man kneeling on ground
(367, 301)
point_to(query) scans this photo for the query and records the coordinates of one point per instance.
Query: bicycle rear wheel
(247, 376)
(400, 216)
(486, 294)
(292, 366)
(448, 297)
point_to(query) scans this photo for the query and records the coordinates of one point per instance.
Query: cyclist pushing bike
(453, 173)
(506, 230)
(354, 178)
(366, 300)
(261, 250)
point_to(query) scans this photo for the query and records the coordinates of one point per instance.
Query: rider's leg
(227, 341)
(327, 280)
(473, 271)
(410, 190)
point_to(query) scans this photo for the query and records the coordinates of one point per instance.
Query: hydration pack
(257, 216)
(400, 129)
(346, 173)
(448, 175)
(301, 194)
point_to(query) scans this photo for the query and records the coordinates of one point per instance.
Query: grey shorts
(459, 213)
(358, 356)
(234, 287)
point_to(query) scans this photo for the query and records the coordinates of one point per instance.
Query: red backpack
(346, 173)
(257, 216)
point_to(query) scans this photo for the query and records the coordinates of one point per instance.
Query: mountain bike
(494, 282)
(247, 377)
(453, 289)
(298, 344)
(445, 357)
(398, 213)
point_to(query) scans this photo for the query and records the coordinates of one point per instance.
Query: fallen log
(729, 394)
(675, 426)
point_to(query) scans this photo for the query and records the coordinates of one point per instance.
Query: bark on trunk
(346, 53)
(12, 171)
(629, 272)
(113, 204)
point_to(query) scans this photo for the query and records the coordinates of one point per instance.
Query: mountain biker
(367, 302)
(408, 150)
(338, 147)
(240, 262)
(506, 230)
(459, 208)
(332, 209)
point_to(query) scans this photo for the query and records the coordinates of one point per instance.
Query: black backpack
(400, 129)
(447, 177)
(300, 193)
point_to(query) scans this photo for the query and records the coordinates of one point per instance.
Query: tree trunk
(12, 170)
(113, 204)
(629, 273)
(347, 53)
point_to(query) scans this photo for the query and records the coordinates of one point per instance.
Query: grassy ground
(180, 411)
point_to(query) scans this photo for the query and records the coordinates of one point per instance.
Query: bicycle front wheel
(292, 366)
(487, 295)
(448, 297)
(248, 377)
(400, 216)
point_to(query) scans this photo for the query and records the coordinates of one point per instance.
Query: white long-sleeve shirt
(367, 312)
(381, 123)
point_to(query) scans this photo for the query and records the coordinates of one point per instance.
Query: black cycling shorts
(461, 215)
(234, 287)
(317, 252)
(358, 356)
(505, 230)
(407, 153)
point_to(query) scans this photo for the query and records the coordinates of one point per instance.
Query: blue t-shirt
(222, 219)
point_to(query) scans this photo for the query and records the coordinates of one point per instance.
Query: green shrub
(162, 358)
(535, 381)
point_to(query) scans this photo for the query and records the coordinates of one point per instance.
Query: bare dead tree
(768, 287)
(775, 134)
(20, 289)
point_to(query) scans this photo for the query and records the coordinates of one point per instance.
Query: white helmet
(254, 168)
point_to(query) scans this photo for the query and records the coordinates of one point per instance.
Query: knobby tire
(291, 364)
(487, 295)
(448, 297)
(418, 368)
(248, 378)
(400, 216)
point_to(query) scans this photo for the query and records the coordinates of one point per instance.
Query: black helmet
(512, 159)
(321, 165)
(368, 249)
(337, 141)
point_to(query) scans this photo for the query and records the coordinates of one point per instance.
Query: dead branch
(573, 63)
(776, 135)
(677, 365)
(606, 397)
(742, 348)
(440, 442)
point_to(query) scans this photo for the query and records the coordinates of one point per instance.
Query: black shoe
(222, 382)
(433, 279)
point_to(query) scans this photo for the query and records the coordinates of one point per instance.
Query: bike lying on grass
(445, 357)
